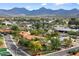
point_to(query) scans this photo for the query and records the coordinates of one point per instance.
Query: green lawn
(3, 49)
(4, 52)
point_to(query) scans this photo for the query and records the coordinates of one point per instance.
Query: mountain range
(40, 11)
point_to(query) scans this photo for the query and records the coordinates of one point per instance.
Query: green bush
(73, 51)
(3, 49)
(24, 42)
(5, 53)
(72, 32)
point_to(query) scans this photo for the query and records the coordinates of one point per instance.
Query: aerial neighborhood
(41, 32)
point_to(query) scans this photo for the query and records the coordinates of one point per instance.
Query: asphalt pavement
(62, 52)
(18, 52)
(12, 47)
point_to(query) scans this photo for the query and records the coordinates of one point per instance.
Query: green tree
(34, 32)
(55, 43)
(37, 32)
(15, 27)
(67, 42)
(36, 46)
(72, 32)
(24, 42)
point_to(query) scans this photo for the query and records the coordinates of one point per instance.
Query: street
(62, 52)
(12, 47)
(18, 52)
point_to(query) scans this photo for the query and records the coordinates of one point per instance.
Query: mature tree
(24, 42)
(73, 23)
(67, 42)
(15, 27)
(53, 34)
(36, 32)
(36, 45)
(55, 43)
(72, 32)
(37, 25)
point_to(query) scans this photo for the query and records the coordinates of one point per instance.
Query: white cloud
(40, 1)
(43, 4)
(28, 7)
(59, 3)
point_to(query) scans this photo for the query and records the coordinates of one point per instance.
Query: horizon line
(40, 8)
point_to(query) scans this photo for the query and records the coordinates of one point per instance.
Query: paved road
(62, 52)
(18, 52)
(12, 47)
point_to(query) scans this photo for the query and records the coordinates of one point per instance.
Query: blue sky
(33, 6)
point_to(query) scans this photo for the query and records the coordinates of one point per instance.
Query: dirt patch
(77, 54)
(3, 46)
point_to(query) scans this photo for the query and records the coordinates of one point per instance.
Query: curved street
(62, 52)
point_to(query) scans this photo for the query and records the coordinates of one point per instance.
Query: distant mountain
(40, 11)
(18, 11)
